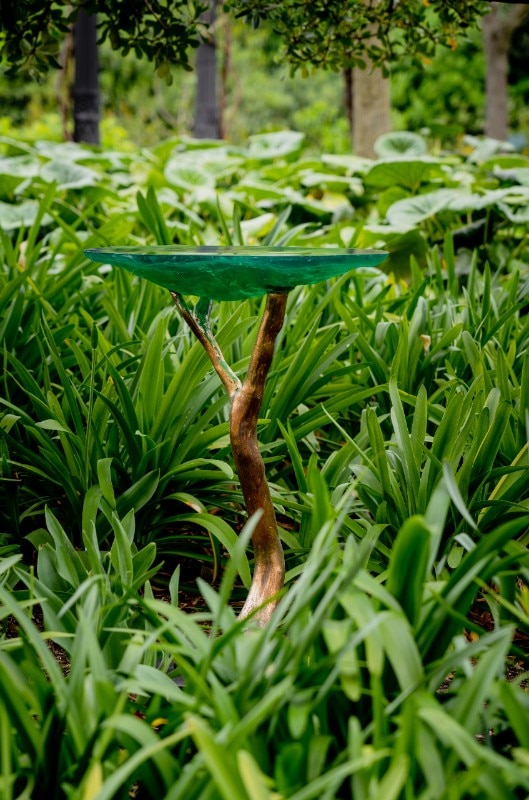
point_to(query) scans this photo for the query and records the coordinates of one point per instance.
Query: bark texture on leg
(198, 321)
(245, 403)
(269, 570)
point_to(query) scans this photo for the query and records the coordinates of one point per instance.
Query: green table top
(234, 273)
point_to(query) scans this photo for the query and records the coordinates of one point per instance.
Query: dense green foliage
(446, 94)
(330, 34)
(31, 32)
(139, 106)
(439, 96)
(339, 34)
(395, 434)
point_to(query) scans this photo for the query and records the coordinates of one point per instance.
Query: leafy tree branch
(333, 34)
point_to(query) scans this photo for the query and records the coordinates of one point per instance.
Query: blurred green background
(258, 93)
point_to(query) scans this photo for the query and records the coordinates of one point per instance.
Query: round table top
(235, 273)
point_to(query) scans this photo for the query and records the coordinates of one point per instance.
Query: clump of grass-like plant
(344, 694)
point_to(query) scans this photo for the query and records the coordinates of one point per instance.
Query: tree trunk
(348, 92)
(371, 109)
(63, 86)
(498, 28)
(206, 106)
(85, 91)
(225, 70)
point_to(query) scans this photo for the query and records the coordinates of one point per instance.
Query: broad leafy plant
(394, 429)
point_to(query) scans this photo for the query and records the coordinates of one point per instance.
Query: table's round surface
(234, 273)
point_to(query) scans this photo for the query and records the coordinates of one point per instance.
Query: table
(237, 273)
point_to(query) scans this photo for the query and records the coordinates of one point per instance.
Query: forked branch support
(245, 404)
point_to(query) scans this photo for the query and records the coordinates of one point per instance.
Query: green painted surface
(234, 273)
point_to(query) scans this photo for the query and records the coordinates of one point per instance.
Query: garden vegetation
(394, 429)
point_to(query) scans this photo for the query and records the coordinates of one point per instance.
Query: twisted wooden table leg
(245, 404)
(269, 569)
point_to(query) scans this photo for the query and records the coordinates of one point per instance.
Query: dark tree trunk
(207, 124)
(85, 91)
(498, 28)
(225, 69)
(63, 88)
(348, 92)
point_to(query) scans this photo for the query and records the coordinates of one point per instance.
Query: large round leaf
(15, 170)
(327, 182)
(187, 177)
(347, 163)
(69, 175)
(400, 143)
(518, 175)
(405, 171)
(401, 249)
(20, 216)
(409, 212)
(413, 210)
(279, 144)
(20, 166)
(234, 273)
(506, 161)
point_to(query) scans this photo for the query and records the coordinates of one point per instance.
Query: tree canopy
(164, 31)
(346, 33)
(324, 33)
